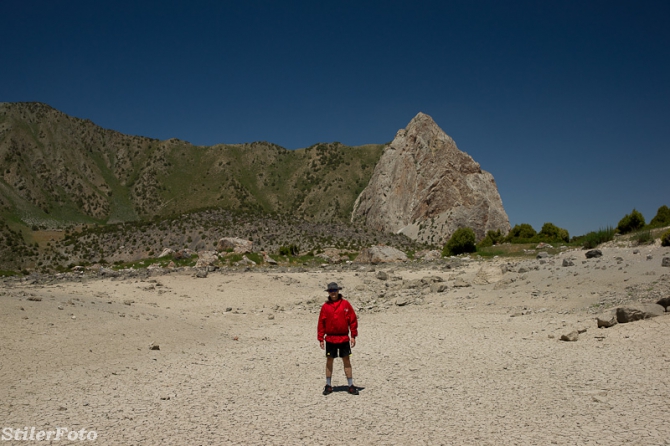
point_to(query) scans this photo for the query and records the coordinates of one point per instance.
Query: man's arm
(353, 325)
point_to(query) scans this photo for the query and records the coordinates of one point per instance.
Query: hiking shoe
(353, 390)
(328, 390)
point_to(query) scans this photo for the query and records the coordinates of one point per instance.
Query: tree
(552, 232)
(523, 231)
(662, 217)
(461, 241)
(631, 222)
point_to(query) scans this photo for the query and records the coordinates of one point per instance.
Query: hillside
(58, 170)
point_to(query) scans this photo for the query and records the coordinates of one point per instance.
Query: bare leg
(329, 367)
(347, 366)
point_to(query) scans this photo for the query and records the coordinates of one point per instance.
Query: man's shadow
(346, 388)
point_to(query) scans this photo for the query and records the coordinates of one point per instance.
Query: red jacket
(335, 321)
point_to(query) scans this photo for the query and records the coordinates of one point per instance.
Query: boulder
(425, 188)
(460, 283)
(246, 261)
(568, 262)
(607, 320)
(638, 312)
(206, 258)
(380, 254)
(166, 252)
(665, 303)
(488, 274)
(381, 275)
(182, 254)
(665, 262)
(267, 259)
(237, 245)
(594, 254)
(401, 301)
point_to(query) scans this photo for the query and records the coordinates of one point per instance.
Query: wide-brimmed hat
(332, 286)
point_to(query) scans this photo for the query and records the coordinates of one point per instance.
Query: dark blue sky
(566, 103)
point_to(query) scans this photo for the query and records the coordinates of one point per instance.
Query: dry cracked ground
(238, 361)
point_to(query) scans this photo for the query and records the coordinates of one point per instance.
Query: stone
(207, 258)
(665, 303)
(461, 283)
(568, 262)
(166, 252)
(128, 302)
(542, 255)
(267, 259)
(234, 244)
(381, 275)
(438, 287)
(380, 254)
(154, 346)
(171, 264)
(246, 261)
(401, 301)
(431, 256)
(594, 254)
(665, 262)
(636, 312)
(607, 320)
(522, 270)
(573, 336)
(201, 273)
(425, 188)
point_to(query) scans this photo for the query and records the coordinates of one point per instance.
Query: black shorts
(340, 349)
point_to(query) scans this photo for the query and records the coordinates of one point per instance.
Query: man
(336, 319)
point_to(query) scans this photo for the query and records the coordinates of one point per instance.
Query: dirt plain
(239, 363)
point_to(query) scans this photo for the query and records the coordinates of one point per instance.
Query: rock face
(425, 187)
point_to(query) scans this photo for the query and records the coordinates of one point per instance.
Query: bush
(552, 232)
(524, 231)
(631, 222)
(461, 241)
(292, 250)
(595, 238)
(644, 238)
(665, 238)
(492, 238)
(662, 217)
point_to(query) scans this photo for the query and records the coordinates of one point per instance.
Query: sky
(566, 103)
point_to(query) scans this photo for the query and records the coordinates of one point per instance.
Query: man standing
(336, 319)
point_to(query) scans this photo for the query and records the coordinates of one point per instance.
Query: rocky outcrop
(381, 254)
(234, 244)
(426, 188)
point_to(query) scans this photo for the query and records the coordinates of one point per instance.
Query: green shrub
(662, 217)
(631, 222)
(665, 238)
(552, 232)
(644, 238)
(290, 250)
(521, 232)
(461, 241)
(492, 238)
(595, 238)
